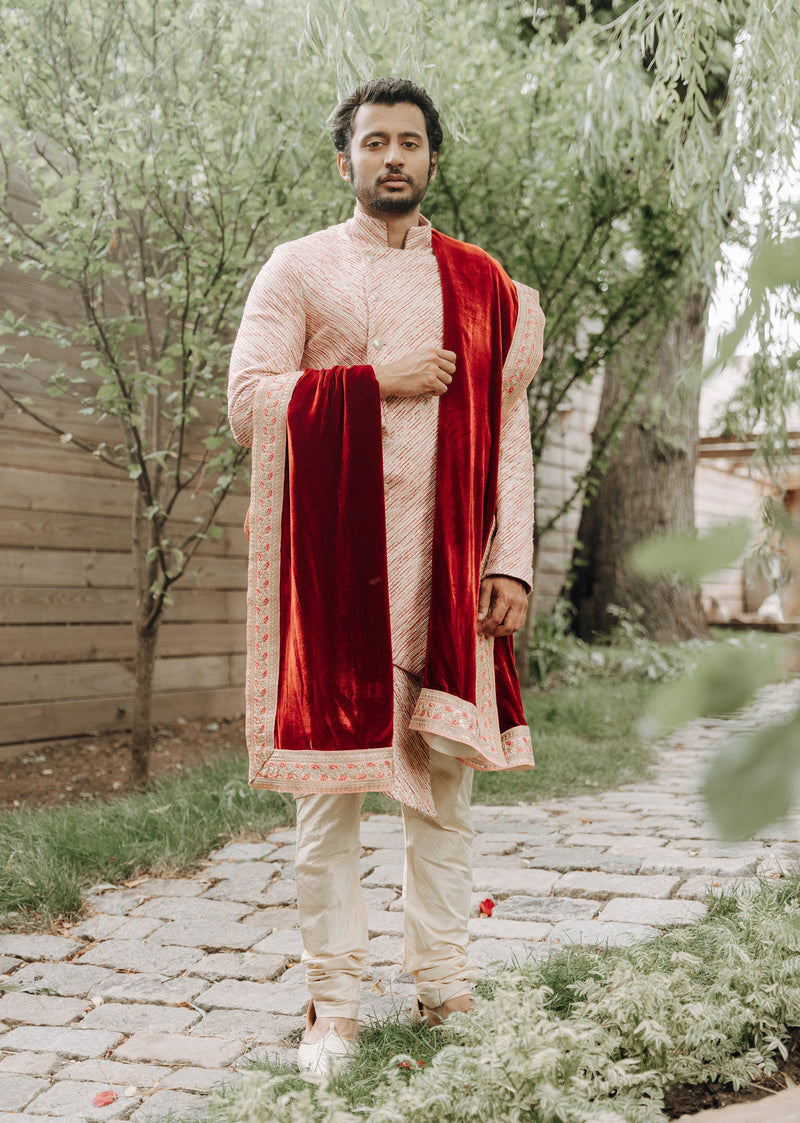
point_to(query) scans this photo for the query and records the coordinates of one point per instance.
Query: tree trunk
(647, 489)
(146, 627)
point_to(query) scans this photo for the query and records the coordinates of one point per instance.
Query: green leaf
(691, 556)
(724, 680)
(755, 781)
(777, 263)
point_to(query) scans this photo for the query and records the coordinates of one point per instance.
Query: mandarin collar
(371, 231)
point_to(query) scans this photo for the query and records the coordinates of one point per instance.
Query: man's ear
(344, 169)
(432, 172)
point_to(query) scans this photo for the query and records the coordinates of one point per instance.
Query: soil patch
(688, 1099)
(98, 766)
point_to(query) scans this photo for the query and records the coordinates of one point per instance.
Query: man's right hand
(429, 371)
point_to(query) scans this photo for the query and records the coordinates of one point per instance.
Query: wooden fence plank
(30, 529)
(24, 489)
(84, 643)
(45, 682)
(55, 605)
(23, 723)
(82, 568)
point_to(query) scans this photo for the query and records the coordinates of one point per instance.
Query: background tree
(166, 148)
(712, 102)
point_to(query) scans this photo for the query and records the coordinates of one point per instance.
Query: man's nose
(394, 156)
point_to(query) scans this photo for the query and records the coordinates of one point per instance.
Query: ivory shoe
(323, 1056)
(329, 1053)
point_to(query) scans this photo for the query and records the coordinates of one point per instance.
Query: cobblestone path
(172, 983)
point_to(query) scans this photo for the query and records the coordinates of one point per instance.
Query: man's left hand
(502, 606)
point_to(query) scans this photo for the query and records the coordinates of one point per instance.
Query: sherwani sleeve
(511, 551)
(270, 340)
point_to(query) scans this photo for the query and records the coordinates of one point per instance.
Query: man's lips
(393, 179)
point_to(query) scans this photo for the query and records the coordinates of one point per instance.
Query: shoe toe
(323, 1056)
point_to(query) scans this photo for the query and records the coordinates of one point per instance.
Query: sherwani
(343, 297)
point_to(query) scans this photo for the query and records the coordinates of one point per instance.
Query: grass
(581, 1035)
(51, 856)
(583, 734)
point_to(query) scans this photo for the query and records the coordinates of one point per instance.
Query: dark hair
(384, 91)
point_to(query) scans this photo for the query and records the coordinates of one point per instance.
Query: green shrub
(581, 1036)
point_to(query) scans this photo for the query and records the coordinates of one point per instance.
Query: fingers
(446, 360)
(484, 600)
(445, 365)
(502, 607)
(441, 383)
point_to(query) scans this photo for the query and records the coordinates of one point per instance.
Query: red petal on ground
(103, 1099)
(487, 906)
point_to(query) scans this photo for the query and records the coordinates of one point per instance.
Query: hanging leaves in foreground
(692, 556)
(755, 780)
(724, 680)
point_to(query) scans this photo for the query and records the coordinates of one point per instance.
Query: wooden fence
(66, 569)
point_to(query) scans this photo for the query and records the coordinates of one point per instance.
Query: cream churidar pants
(437, 886)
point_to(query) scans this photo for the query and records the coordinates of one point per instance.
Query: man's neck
(397, 225)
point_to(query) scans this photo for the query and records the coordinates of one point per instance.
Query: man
(379, 374)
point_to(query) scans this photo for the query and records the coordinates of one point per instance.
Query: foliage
(155, 195)
(757, 779)
(50, 857)
(580, 1037)
(625, 654)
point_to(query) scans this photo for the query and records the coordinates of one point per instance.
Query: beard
(371, 199)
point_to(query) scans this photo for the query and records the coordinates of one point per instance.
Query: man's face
(389, 164)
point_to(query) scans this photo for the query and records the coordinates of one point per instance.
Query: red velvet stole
(335, 682)
(335, 678)
(480, 313)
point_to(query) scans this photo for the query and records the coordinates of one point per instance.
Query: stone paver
(662, 914)
(251, 1026)
(40, 1009)
(68, 979)
(182, 933)
(546, 910)
(18, 1091)
(65, 1041)
(602, 886)
(34, 948)
(31, 1064)
(197, 1079)
(130, 1017)
(599, 933)
(239, 965)
(116, 1074)
(502, 881)
(136, 987)
(181, 1105)
(131, 955)
(175, 1049)
(75, 1097)
(235, 994)
(184, 978)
